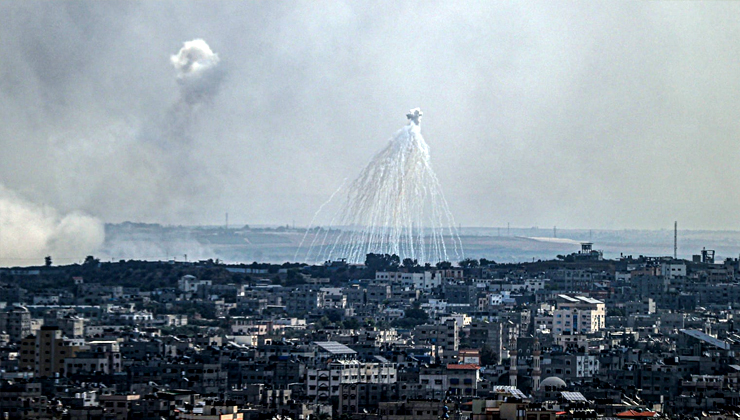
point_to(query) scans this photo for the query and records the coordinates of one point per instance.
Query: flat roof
(334, 347)
(716, 342)
(573, 396)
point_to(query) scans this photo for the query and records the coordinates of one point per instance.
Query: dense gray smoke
(148, 167)
(29, 232)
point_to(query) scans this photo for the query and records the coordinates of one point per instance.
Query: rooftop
(716, 342)
(334, 347)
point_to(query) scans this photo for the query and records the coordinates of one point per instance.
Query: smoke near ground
(29, 232)
(147, 165)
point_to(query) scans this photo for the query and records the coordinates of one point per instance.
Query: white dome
(553, 382)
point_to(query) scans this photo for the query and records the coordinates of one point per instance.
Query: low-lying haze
(576, 114)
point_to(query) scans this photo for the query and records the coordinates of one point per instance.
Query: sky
(578, 114)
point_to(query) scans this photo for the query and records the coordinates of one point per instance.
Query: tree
(351, 323)
(409, 263)
(444, 265)
(91, 261)
(484, 262)
(488, 356)
(47, 261)
(322, 323)
(382, 262)
(412, 317)
(468, 263)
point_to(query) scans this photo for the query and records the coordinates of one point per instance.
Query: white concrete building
(673, 269)
(427, 280)
(578, 315)
(190, 284)
(325, 382)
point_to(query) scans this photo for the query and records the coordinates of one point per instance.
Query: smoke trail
(29, 232)
(150, 163)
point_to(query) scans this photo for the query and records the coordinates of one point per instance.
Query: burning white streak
(29, 232)
(395, 206)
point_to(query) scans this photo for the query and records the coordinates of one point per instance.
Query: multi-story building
(578, 315)
(444, 336)
(118, 406)
(303, 300)
(462, 379)
(325, 382)
(23, 401)
(426, 280)
(102, 357)
(44, 354)
(16, 321)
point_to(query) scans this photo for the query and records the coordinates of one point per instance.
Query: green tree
(485, 263)
(411, 318)
(351, 323)
(382, 262)
(488, 357)
(408, 263)
(91, 261)
(468, 263)
(444, 265)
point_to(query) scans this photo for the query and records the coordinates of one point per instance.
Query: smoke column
(394, 206)
(29, 232)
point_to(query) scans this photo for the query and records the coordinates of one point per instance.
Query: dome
(553, 383)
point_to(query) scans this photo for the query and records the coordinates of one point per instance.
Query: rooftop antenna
(675, 240)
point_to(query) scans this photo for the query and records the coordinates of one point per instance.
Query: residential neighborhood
(575, 337)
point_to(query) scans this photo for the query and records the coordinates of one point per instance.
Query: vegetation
(412, 317)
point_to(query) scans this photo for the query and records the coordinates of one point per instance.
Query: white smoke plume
(29, 232)
(394, 206)
(197, 71)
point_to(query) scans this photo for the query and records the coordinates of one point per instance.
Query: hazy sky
(577, 114)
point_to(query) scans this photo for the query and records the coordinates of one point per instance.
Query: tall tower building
(512, 366)
(44, 353)
(536, 372)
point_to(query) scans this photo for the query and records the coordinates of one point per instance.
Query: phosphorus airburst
(394, 206)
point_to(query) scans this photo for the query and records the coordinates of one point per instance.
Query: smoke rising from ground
(29, 232)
